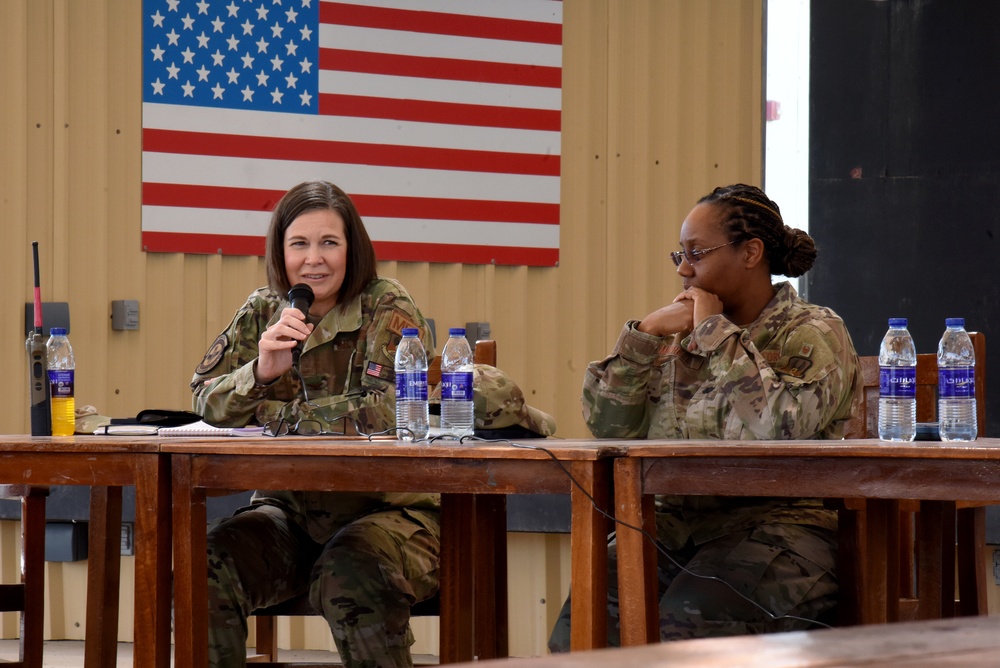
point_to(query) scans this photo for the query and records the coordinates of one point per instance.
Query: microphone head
(301, 297)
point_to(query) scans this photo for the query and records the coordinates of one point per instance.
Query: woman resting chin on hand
(733, 356)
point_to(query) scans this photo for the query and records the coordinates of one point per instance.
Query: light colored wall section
(662, 100)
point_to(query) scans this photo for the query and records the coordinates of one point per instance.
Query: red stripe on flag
(439, 23)
(423, 111)
(311, 150)
(370, 206)
(222, 244)
(440, 68)
(170, 242)
(428, 208)
(210, 197)
(503, 255)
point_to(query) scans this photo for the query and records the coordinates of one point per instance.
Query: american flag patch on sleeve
(376, 370)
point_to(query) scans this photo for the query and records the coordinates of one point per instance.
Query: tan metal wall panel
(15, 268)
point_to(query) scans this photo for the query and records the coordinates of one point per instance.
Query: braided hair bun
(752, 215)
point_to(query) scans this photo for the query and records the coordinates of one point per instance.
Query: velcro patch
(797, 366)
(770, 356)
(214, 354)
(378, 370)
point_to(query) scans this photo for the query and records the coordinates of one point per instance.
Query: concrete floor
(69, 654)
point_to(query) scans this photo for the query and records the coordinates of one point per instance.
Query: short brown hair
(309, 196)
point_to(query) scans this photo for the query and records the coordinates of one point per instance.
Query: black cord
(659, 546)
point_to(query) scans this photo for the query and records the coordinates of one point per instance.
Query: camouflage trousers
(787, 572)
(364, 580)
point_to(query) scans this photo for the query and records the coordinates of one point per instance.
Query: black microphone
(301, 297)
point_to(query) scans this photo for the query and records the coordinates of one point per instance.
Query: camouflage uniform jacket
(791, 374)
(348, 366)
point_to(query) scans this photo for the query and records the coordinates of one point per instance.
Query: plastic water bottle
(956, 383)
(412, 418)
(61, 366)
(456, 384)
(897, 402)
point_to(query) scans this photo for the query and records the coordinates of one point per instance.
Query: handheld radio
(38, 381)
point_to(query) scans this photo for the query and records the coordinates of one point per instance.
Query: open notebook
(202, 428)
(199, 428)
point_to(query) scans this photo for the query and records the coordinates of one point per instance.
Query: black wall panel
(904, 171)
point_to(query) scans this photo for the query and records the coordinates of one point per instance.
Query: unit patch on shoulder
(399, 321)
(379, 370)
(213, 355)
(806, 350)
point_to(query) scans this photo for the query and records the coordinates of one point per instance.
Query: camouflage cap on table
(499, 403)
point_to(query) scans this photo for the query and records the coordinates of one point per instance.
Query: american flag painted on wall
(441, 119)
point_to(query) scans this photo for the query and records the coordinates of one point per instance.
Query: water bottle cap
(410, 331)
(897, 322)
(954, 322)
(456, 331)
(57, 331)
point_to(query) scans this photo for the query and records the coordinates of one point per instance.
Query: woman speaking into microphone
(363, 558)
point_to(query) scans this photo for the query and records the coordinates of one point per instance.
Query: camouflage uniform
(791, 374)
(364, 558)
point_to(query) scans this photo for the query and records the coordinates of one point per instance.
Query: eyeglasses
(303, 428)
(693, 257)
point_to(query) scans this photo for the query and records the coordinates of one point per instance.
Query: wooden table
(933, 472)
(106, 464)
(968, 642)
(468, 477)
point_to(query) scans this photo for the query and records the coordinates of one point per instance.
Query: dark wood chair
(28, 596)
(922, 573)
(266, 650)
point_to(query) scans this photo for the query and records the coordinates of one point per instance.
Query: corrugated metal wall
(662, 100)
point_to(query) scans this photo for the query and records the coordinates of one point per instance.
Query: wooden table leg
(33, 573)
(881, 563)
(103, 575)
(972, 594)
(936, 560)
(490, 576)
(457, 585)
(190, 567)
(635, 599)
(152, 562)
(589, 541)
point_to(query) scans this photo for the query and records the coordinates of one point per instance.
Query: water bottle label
(456, 386)
(61, 383)
(411, 386)
(899, 382)
(956, 383)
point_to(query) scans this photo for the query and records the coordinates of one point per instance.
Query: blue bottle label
(411, 386)
(61, 383)
(897, 382)
(956, 383)
(456, 386)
